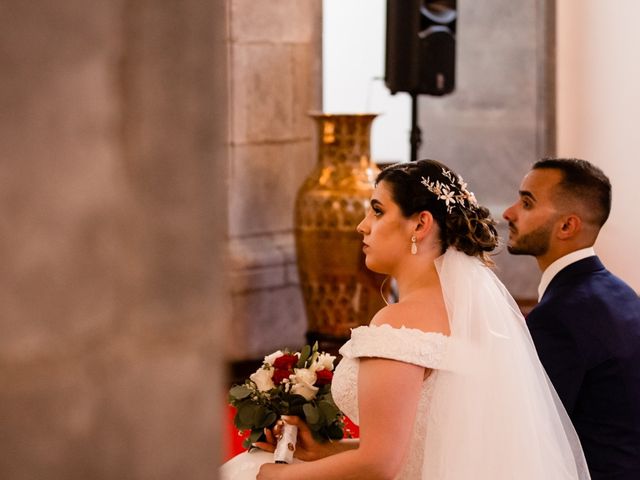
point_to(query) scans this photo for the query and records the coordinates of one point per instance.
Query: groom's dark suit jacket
(586, 329)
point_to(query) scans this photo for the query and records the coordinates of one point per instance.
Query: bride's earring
(384, 297)
(414, 245)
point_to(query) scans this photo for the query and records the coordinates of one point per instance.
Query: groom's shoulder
(582, 290)
(589, 276)
(594, 305)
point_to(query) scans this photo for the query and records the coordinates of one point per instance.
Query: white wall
(598, 113)
(353, 72)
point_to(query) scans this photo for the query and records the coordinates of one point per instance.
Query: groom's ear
(571, 226)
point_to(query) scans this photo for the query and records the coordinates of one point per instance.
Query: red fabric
(235, 438)
(352, 428)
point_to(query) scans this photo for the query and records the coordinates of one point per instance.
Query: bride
(446, 383)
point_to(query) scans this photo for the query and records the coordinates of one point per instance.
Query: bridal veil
(494, 413)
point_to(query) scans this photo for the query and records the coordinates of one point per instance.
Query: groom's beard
(534, 243)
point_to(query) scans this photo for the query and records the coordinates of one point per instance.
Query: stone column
(113, 221)
(275, 77)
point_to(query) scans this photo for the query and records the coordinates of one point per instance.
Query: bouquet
(287, 383)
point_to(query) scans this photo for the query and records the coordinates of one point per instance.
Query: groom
(586, 327)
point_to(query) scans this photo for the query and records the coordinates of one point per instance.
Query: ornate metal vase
(339, 291)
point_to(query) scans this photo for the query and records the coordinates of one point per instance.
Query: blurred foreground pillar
(112, 223)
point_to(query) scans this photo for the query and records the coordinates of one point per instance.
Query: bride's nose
(361, 226)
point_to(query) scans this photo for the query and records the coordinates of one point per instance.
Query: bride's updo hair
(430, 185)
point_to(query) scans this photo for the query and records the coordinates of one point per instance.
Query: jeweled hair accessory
(453, 193)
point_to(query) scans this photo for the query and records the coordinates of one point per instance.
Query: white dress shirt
(553, 269)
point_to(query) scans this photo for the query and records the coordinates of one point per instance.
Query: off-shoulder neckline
(402, 328)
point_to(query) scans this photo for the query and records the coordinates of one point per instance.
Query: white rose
(269, 359)
(325, 362)
(262, 379)
(304, 389)
(302, 383)
(304, 375)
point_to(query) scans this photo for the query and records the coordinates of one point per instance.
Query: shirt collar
(553, 269)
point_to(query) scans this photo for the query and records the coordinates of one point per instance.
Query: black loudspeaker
(421, 46)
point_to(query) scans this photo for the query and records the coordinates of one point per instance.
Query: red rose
(324, 377)
(279, 375)
(285, 362)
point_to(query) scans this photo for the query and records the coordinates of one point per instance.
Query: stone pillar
(275, 76)
(113, 221)
(501, 117)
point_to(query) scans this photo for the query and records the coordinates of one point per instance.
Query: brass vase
(339, 291)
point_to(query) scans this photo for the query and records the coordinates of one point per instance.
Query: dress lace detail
(408, 345)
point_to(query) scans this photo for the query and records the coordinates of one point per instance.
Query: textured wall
(275, 79)
(113, 215)
(499, 120)
(598, 111)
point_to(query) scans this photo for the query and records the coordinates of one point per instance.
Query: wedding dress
(403, 344)
(487, 411)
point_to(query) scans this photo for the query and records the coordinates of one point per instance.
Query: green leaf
(296, 410)
(241, 426)
(314, 354)
(270, 419)
(311, 414)
(304, 355)
(239, 392)
(246, 414)
(329, 410)
(256, 435)
(311, 359)
(325, 392)
(296, 400)
(264, 417)
(335, 432)
(237, 420)
(258, 415)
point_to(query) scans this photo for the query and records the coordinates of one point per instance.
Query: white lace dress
(406, 345)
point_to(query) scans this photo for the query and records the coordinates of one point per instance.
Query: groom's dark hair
(583, 183)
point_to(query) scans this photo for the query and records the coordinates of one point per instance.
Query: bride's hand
(307, 447)
(272, 436)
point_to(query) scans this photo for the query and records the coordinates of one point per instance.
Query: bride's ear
(424, 224)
